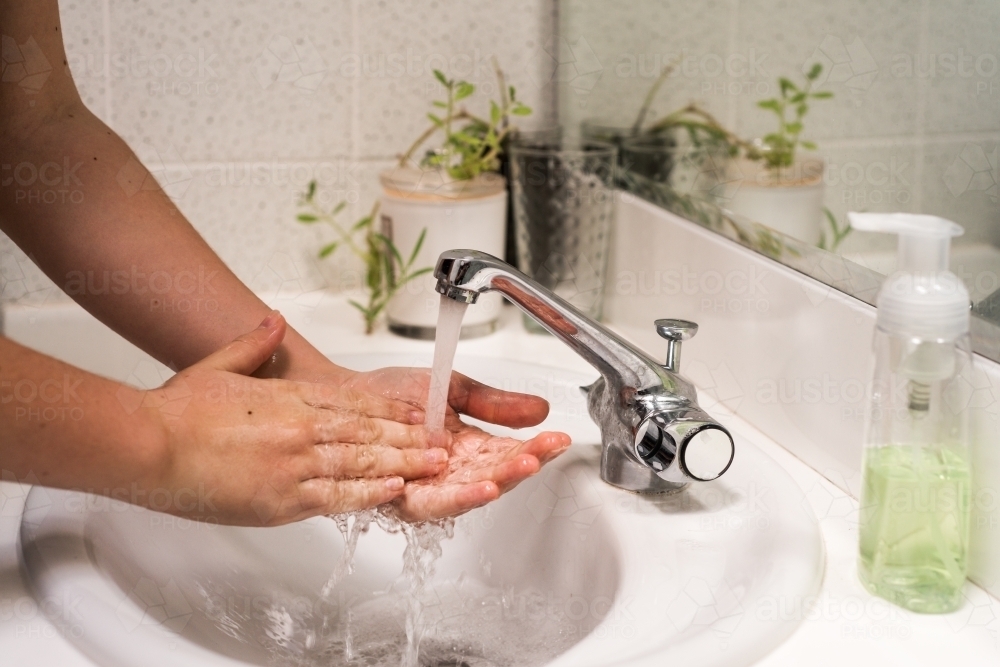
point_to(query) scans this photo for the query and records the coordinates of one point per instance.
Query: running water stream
(419, 620)
(449, 326)
(423, 540)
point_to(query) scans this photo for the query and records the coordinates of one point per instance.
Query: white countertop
(845, 625)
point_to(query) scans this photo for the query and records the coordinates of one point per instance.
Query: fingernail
(270, 320)
(394, 483)
(435, 456)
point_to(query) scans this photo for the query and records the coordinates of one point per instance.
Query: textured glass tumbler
(564, 204)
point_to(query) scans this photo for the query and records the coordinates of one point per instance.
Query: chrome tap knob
(675, 331)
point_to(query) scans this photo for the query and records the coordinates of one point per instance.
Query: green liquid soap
(914, 529)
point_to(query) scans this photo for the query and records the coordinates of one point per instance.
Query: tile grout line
(732, 114)
(106, 74)
(920, 138)
(355, 84)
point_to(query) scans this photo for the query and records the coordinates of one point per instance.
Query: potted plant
(385, 271)
(765, 180)
(779, 187)
(434, 199)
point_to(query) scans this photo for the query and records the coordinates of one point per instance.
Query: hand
(248, 451)
(481, 466)
(465, 396)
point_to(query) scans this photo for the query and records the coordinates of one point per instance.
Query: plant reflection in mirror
(837, 233)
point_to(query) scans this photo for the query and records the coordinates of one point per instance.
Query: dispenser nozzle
(924, 240)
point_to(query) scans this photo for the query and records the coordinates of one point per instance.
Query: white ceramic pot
(791, 204)
(456, 214)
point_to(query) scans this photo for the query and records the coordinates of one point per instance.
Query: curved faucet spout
(651, 425)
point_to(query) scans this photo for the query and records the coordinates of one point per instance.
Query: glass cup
(563, 194)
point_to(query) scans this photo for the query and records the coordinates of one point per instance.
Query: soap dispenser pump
(914, 514)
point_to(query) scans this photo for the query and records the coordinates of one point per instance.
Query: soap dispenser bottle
(914, 515)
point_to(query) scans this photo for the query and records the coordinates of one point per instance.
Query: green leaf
(439, 104)
(307, 218)
(439, 75)
(387, 244)
(773, 105)
(814, 71)
(328, 249)
(362, 223)
(802, 109)
(521, 110)
(416, 247)
(463, 138)
(796, 98)
(364, 311)
(416, 274)
(464, 90)
(511, 94)
(793, 128)
(786, 85)
(311, 191)
(822, 95)
(495, 112)
(338, 208)
(434, 119)
(809, 145)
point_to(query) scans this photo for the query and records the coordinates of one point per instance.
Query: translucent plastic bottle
(914, 523)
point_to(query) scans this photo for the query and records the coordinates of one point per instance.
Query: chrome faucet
(655, 437)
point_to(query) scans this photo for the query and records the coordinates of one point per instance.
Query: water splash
(422, 620)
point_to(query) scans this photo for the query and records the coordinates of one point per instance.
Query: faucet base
(618, 470)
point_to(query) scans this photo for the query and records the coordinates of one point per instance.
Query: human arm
(212, 443)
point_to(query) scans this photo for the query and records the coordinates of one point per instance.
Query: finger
(348, 427)
(495, 406)
(322, 495)
(245, 354)
(326, 396)
(425, 502)
(546, 446)
(352, 461)
(505, 474)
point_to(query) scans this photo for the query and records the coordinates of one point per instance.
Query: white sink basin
(564, 570)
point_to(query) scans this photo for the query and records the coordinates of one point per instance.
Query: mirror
(768, 121)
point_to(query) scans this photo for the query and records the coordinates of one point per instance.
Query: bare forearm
(71, 429)
(120, 248)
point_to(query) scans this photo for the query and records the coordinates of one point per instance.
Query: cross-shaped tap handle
(675, 331)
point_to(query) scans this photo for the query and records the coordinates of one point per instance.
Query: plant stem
(646, 103)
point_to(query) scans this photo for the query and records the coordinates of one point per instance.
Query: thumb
(245, 354)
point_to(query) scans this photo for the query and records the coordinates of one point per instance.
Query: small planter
(456, 214)
(650, 156)
(790, 203)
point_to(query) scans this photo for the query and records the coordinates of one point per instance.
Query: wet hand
(268, 451)
(465, 396)
(481, 467)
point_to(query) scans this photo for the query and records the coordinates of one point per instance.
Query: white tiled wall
(898, 135)
(240, 103)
